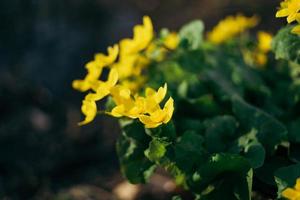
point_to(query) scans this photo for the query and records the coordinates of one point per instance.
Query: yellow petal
(94, 72)
(169, 109)
(127, 46)
(158, 116)
(290, 194)
(148, 122)
(81, 85)
(100, 94)
(149, 92)
(89, 109)
(172, 41)
(112, 77)
(297, 186)
(282, 13)
(296, 30)
(161, 93)
(292, 17)
(118, 111)
(104, 60)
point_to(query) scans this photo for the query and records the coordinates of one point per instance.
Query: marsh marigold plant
(218, 110)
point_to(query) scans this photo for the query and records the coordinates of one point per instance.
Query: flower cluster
(230, 27)
(291, 10)
(292, 193)
(127, 62)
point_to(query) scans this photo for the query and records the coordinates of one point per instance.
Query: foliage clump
(231, 123)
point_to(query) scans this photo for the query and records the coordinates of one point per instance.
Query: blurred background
(44, 45)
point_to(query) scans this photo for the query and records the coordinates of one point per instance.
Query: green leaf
(192, 61)
(192, 33)
(220, 133)
(189, 151)
(252, 149)
(130, 148)
(293, 133)
(270, 132)
(189, 124)
(287, 45)
(286, 177)
(220, 169)
(266, 173)
(243, 190)
(165, 132)
(156, 150)
(256, 155)
(295, 152)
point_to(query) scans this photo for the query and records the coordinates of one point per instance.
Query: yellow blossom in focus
(159, 116)
(264, 41)
(172, 40)
(126, 105)
(94, 69)
(289, 9)
(230, 27)
(147, 109)
(292, 193)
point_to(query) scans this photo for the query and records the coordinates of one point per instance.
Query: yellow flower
(142, 36)
(292, 193)
(130, 61)
(159, 116)
(89, 109)
(172, 40)
(94, 72)
(289, 9)
(104, 60)
(154, 115)
(126, 105)
(94, 69)
(103, 88)
(264, 41)
(230, 27)
(147, 108)
(154, 98)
